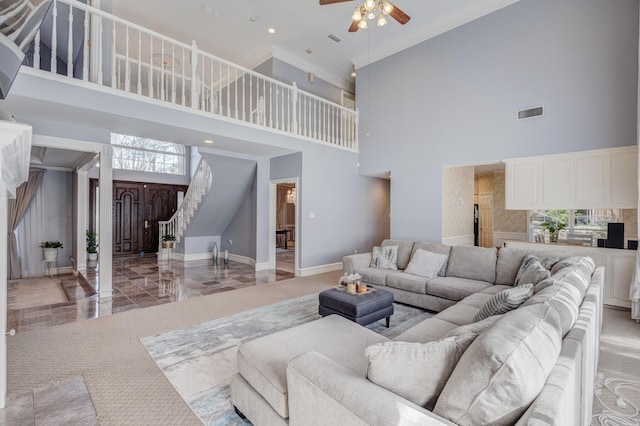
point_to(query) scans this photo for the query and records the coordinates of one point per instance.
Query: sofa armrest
(322, 392)
(353, 262)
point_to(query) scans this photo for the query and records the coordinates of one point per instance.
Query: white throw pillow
(426, 263)
(417, 371)
(384, 257)
(505, 301)
(533, 269)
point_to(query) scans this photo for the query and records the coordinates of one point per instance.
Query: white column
(105, 231)
(82, 213)
(3, 292)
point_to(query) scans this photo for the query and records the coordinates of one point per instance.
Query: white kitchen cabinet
(604, 178)
(618, 267)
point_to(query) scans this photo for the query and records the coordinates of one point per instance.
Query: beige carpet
(32, 292)
(125, 384)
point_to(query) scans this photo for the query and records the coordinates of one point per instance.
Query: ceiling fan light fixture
(382, 21)
(357, 16)
(363, 24)
(387, 8)
(371, 15)
(369, 5)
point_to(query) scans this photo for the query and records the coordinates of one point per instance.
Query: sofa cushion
(563, 263)
(505, 301)
(416, 371)
(475, 263)
(434, 248)
(427, 331)
(532, 271)
(425, 263)
(409, 282)
(384, 257)
(504, 369)
(333, 336)
(474, 328)
(454, 288)
(458, 314)
(477, 300)
(404, 251)
(565, 298)
(374, 275)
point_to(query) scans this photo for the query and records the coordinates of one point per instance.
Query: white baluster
(85, 48)
(139, 62)
(100, 49)
(54, 39)
(36, 52)
(70, 44)
(127, 66)
(173, 73)
(150, 77)
(113, 55)
(183, 78)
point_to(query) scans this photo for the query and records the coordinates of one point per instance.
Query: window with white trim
(147, 155)
(573, 224)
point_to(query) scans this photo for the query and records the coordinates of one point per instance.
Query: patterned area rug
(199, 361)
(32, 292)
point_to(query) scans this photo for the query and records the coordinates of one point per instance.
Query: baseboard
(262, 266)
(319, 269)
(181, 257)
(461, 240)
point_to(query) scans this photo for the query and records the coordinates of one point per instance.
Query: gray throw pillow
(416, 371)
(384, 257)
(533, 270)
(425, 263)
(505, 301)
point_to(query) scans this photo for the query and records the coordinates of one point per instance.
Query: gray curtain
(16, 210)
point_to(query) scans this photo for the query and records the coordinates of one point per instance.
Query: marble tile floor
(138, 282)
(66, 403)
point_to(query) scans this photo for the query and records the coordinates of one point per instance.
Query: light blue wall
(453, 100)
(286, 166)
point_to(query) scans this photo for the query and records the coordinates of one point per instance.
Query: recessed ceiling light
(208, 141)
(271, 30)
(353, 74)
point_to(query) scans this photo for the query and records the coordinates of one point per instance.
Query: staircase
(200, 184)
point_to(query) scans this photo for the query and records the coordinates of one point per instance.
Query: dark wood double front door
(137, 208)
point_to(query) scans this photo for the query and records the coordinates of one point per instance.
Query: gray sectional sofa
(533, 365)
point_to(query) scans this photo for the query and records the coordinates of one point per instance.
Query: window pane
(147, 155)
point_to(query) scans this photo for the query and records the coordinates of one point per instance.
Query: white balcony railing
(83, 42)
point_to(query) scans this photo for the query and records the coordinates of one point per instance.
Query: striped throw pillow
(384, 257)
(505, 301)
(533, 269)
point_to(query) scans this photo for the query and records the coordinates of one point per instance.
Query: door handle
(146, 224)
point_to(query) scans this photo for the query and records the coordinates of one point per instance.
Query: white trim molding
(315, 270)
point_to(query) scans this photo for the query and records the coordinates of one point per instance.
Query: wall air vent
(334, 38)
(530, 113)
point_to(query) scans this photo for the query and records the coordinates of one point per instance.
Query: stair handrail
(199, 185)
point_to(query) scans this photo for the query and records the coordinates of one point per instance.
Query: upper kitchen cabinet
(605, 178)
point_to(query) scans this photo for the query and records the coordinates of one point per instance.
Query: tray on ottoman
(362, 309)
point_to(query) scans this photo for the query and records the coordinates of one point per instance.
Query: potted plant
(92, 245)
(553, 228)
(50, 249)
(167, 240)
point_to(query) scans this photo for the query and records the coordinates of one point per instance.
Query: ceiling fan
(372, 9)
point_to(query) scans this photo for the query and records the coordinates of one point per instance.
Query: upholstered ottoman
(360, 308)
(259, 390)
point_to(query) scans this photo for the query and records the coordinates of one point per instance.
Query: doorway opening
(283, 250)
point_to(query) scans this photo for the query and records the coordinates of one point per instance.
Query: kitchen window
(583, 226)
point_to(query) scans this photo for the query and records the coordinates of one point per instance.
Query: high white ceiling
(236, 30)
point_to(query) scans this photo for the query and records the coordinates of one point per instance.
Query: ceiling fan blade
(397, 14)
(323, 2)
(354, 27)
